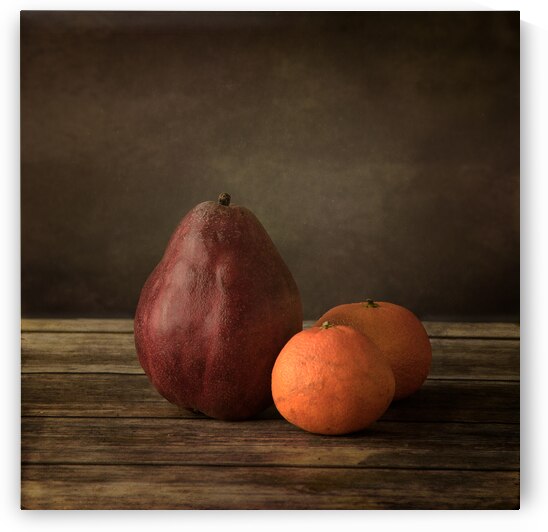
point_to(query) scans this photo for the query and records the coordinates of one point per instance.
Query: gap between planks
(268, 466)
(435, 329)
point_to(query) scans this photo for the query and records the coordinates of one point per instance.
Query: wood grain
(475, 358)
(210, 487)
(79, 352)
(88, 325)
(101, 395)
(115, 353)
(95, 434)
(472, 330)
(434, 328)
(270, 442)
(459, 401)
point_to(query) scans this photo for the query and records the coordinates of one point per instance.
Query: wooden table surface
(96, 435)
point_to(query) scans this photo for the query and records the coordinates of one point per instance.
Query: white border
(534, 268)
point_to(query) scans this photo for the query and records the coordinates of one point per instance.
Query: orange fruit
(331, 380)
(397, 332)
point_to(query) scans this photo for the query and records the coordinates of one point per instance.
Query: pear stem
(224, 199)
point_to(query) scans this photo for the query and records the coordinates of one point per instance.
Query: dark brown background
(380, 151)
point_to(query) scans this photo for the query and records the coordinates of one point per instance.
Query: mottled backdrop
(380, 151)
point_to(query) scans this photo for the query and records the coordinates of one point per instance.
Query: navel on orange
(331, 379)
(397, 332)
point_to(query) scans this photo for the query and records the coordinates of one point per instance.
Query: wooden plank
(100, 395)
(79, 352)
(117, 325)
(115, 353)
(183, 487)
(472, 330)
(434, 328)
(475, 358)
(467, 401)
(268, 442)
(96, 395)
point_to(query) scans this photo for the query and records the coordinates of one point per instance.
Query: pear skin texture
(215, 312)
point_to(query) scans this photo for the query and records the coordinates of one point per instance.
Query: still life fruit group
(218, 329)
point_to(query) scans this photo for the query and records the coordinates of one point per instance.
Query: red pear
(215, 312)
